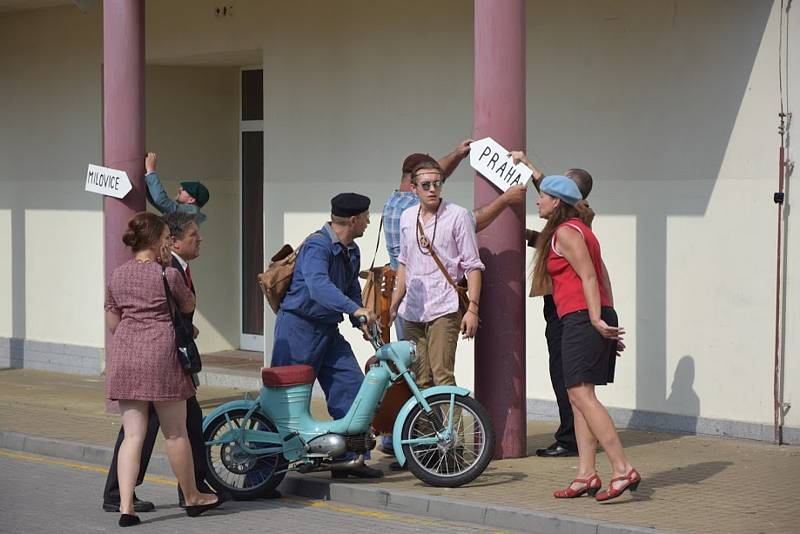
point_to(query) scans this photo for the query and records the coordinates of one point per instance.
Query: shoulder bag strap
(173, 307)
(378, 244)
(436, 258)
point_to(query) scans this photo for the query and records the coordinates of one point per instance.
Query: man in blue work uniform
(325, 286)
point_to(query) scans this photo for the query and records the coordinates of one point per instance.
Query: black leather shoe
(128, 520)
(395, 466)
(556, 451)
(363, 471)
(138, 506)
(194, 511)
(272, 494)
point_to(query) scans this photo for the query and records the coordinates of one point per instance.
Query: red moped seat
(287, 375)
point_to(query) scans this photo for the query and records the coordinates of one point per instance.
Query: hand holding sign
(493, 162)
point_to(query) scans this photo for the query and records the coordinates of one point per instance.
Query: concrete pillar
(500, 113)
(123, 118)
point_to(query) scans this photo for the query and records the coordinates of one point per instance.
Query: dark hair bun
(144, 231)
(129, 237)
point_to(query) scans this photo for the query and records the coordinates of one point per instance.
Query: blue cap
(561, 187)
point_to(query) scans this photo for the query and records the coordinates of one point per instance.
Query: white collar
(183, 262)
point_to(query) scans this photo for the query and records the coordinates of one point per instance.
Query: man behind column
(423, 297)
(565, 443)
(185, 243)
(404, 198)
(191, 197)
(325, 286)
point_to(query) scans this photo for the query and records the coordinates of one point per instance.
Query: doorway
(251, 194)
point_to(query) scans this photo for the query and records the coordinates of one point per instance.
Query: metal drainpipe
(779, 199)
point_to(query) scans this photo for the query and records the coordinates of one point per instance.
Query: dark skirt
(588, 357)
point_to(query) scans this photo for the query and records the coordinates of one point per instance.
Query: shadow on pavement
(689, 474)
(635, 438)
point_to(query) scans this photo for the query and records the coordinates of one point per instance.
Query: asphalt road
(47, 495)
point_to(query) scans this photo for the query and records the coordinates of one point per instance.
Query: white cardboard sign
(490, 159)
(109, 182)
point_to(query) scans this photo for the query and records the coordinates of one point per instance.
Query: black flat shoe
(556, 451)
(194, 511)
(138, 506)
(363, 471)
(395, 466)
(128, 520)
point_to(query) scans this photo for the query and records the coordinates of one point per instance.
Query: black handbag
(188, 355)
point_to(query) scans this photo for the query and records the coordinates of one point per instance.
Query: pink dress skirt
(141, 363)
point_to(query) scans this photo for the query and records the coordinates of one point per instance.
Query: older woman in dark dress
(142, 365)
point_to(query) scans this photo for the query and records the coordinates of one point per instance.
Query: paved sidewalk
(690, 484)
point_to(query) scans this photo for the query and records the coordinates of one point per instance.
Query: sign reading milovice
(490, 159)
(109, 182)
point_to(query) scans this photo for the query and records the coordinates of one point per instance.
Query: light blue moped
(444, 436)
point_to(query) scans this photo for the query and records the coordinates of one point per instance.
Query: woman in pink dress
(568, 254)
(142, 365)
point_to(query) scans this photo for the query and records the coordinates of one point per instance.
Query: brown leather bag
(377, 292)
(275, 281)
(377, 295)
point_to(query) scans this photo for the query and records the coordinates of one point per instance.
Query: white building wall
(674, 115)
(50, 129)
(192, 124)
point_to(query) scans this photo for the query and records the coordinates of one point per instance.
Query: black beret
(349, 204)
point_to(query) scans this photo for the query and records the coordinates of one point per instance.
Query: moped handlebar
(374, 332)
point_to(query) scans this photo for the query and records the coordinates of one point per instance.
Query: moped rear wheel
(454, 461)
(234, 470)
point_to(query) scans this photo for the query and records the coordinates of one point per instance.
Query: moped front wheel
(453, 460)
(232, 469)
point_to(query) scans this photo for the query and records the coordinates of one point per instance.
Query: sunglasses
(436, 184)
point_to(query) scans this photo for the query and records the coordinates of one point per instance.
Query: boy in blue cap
(191, 197)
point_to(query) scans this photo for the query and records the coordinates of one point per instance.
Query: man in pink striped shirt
(423, 297)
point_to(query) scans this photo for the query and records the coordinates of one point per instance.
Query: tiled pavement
(690, 483)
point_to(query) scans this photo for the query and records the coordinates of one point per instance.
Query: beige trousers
(436, 349)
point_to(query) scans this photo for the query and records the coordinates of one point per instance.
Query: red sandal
(631, 480)
(591, 486)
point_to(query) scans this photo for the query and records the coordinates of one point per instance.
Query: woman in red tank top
(568, 254)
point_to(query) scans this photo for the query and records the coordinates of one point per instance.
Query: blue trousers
(301, 342)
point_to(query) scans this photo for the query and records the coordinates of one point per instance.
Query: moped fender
(406, 409)
(227, 407)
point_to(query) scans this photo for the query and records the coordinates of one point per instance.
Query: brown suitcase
(394, 399)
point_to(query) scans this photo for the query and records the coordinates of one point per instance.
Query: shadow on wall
(652, 122)
(665, 92)
(682, 400)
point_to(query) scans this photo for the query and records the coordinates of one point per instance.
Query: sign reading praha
(493, 162)
(109, 182)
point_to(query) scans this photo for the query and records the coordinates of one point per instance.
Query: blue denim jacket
(325, 282)
(159, 198)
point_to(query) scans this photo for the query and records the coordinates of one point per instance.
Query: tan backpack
(275, 281)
